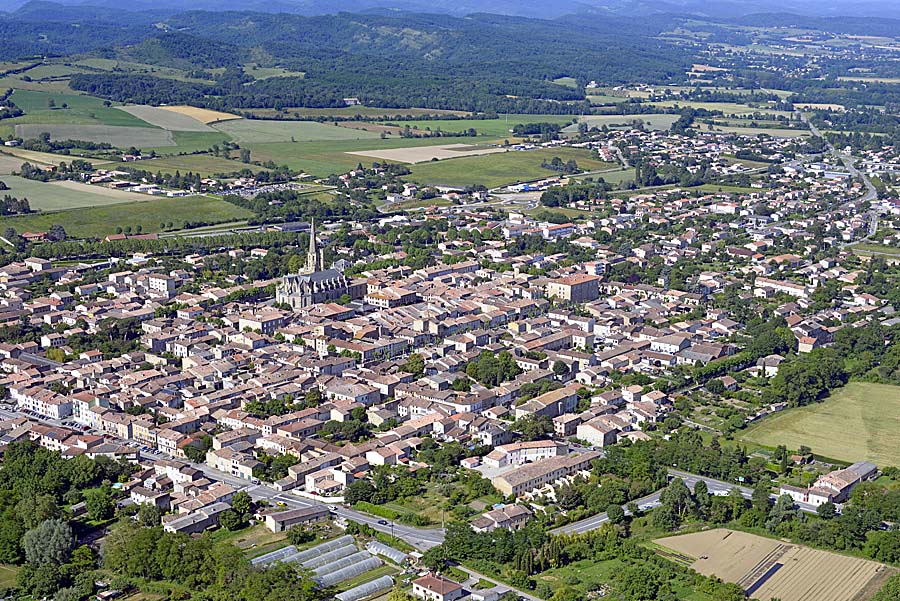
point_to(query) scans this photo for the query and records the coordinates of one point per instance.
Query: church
(314, 284)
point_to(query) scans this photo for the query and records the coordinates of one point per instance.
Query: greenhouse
(327, 558)
(342, 563)
(377, 548)
(349, 572)
(366, 590)
(279, 555)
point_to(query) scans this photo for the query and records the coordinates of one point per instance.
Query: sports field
(58, 196)
(120, 137)
(770, 569)
(99, 221)
(499, 169)
(250, 131)
(165, 119)
(858, 422)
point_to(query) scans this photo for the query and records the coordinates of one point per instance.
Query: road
(715, 487)
(420, 538)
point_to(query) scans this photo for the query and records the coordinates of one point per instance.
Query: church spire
(313, 258)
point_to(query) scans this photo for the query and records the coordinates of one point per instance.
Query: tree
(826, 510)
(242, 504)
(415, 365)
(230, 520)
(616, 514)
(49, 543)
(56, 233)
(359, 490)
(560, 368)
(245, 155)
(149, 515)
(299, 535)
(99, 503)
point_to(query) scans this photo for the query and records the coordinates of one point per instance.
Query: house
(510, 517)
(436, 588)
(834, 487)
(279, 521)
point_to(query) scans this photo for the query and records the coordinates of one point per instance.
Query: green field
(758, 131)
(8, 576)
(256, 131)
(59, 196)
(118, 136)
(568, 82)
(858, 422)
(97, 222)
(494, 170)
(83, 109)
(369, 112)
(727, 108)
(498, 128)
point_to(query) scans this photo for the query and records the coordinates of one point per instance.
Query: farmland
(499, 169)
(769, 569)
(859, 421)
(81, 110)
(250, 131)
(204, 164)
(120, 137)
(203, 115)
(58, 196)
(100, 221)
(368, 112)
(165, 119)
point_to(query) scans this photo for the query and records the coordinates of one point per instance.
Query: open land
(770, 569)
(500, 127)
(859, 421)
(369, 112)
(100, 221)
(657, 121)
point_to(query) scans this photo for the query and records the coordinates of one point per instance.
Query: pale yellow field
(203, 115)
(770, 568)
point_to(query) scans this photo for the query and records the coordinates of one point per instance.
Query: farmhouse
(435, 588)
(834, 486)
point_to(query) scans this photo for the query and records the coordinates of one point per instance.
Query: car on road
(382, 522)
(281, 504)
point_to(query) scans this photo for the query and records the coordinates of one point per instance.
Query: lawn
(59, 196)
(498, 169)
(858, 422)
(256, 131)
(98, 222)
(485, 127)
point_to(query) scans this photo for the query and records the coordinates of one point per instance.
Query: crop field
(99, 221)
(657, 121)
(120, 137)
(165, 119)
(190, 141)
(421, 154)
(769, 131)
(58, 196)
(81, 109)
(728, 108)
(500, 127)
(200, 114)
(499, 169)
(8, 164)
(859, 421)
(770, 569)
(250, 131)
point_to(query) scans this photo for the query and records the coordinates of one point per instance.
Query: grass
(858, 422)
(727, 108)
(59, 196)
(867, 248)
(351, 111)
(567, 82)
(494, 170)
(82, 110)
(8, 575)
(255, 131)
(98, 222)
(757, 131)
(118, 136)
